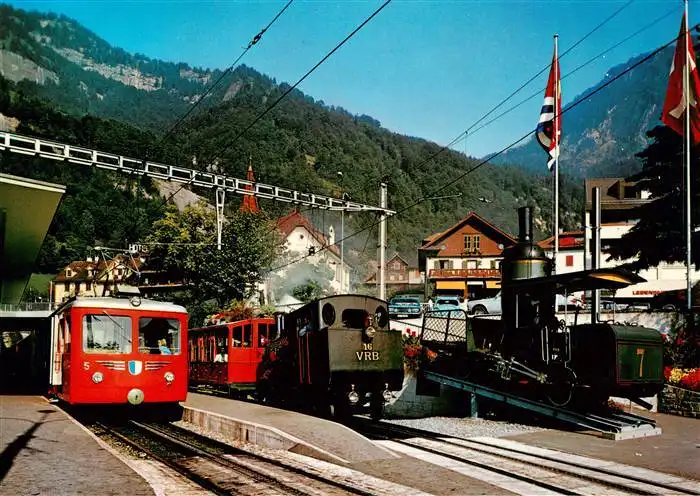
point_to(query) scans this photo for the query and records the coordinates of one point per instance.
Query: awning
(461, 285)
(493, 284)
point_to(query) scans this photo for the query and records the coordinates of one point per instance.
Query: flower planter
(679, 401)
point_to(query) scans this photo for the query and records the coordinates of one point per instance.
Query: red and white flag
(549, 126)
(677, 95)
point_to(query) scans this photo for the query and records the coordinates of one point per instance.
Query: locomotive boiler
(334, 356)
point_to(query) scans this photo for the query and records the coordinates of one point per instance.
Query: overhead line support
(27, 145)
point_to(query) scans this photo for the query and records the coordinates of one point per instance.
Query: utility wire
(503, 150)
(230, 68)
(563, 54)
(588, 62)
(308, 73)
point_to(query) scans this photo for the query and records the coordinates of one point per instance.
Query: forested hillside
(300, 144)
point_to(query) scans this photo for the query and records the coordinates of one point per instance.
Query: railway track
(217, 467)
(525, 469)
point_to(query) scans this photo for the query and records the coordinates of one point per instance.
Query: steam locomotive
(531, 352)
(334, 357)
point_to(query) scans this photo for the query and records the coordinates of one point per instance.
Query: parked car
(483, 306)
(493, 305)
(671, 301)
(403, 307)
(446, 303)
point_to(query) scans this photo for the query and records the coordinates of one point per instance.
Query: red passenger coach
(226, 356)
(118, 351)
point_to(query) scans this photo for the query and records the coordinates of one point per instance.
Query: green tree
(184, 244)
(659, 234)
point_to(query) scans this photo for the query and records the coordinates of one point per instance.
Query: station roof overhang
(612, 278)
(27, 208)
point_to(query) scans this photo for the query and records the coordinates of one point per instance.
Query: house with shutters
(302, 239)
(465, 259)
(400, 277)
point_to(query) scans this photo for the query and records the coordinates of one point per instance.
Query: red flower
(667, 373)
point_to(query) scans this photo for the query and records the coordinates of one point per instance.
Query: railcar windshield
(159, 336)
(106, 333)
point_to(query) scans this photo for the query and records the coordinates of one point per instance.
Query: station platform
(329, 442)
(43, 451)
(282, 429)
(676, 451)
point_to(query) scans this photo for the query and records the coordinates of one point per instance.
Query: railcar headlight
(370, 332)
(353, 397)
(97, 377)
(169, 377)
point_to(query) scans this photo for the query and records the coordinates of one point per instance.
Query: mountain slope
(301, 144)
(601, 135)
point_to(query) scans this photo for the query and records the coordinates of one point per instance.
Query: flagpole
(556, 137)
(688, 223)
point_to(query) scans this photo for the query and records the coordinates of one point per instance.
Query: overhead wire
(485, 161)
(586, 63)
(230, 68)
(294, 86)
(545, 68)
(254, 41)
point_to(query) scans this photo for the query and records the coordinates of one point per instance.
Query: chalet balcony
(464, 274)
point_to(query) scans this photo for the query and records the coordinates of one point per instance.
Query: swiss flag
(677, 95)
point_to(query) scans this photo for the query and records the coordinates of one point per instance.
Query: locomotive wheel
(560, 389)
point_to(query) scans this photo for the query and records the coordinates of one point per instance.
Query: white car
(493, 305)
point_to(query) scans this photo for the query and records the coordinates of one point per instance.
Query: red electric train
(112, 350)
(225, 357)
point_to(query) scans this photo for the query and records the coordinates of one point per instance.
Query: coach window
(159, 336)
(106, 334)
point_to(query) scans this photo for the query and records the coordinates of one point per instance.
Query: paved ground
(675, 451)
(42, 451)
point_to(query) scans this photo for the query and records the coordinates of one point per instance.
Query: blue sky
(427, 68)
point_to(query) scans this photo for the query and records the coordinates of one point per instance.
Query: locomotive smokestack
(525, 222)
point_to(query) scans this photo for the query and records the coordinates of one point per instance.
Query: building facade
(465, 259)
(618, 198)
(400, 277)
(303, 239)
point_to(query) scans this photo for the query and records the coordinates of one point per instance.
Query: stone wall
(421, 398)
(679, 401)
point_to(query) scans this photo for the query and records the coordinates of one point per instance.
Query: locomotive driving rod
(504, 367)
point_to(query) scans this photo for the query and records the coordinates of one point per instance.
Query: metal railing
(32, 306)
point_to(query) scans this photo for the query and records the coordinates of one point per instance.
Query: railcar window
(242, 336)
(159, 336)
(106, 334)
(354, 318)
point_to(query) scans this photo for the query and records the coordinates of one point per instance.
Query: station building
(27, 208)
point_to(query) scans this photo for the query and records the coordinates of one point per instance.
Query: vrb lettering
(367, 356)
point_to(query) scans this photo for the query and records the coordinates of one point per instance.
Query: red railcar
(226, 356)
(118, 351)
